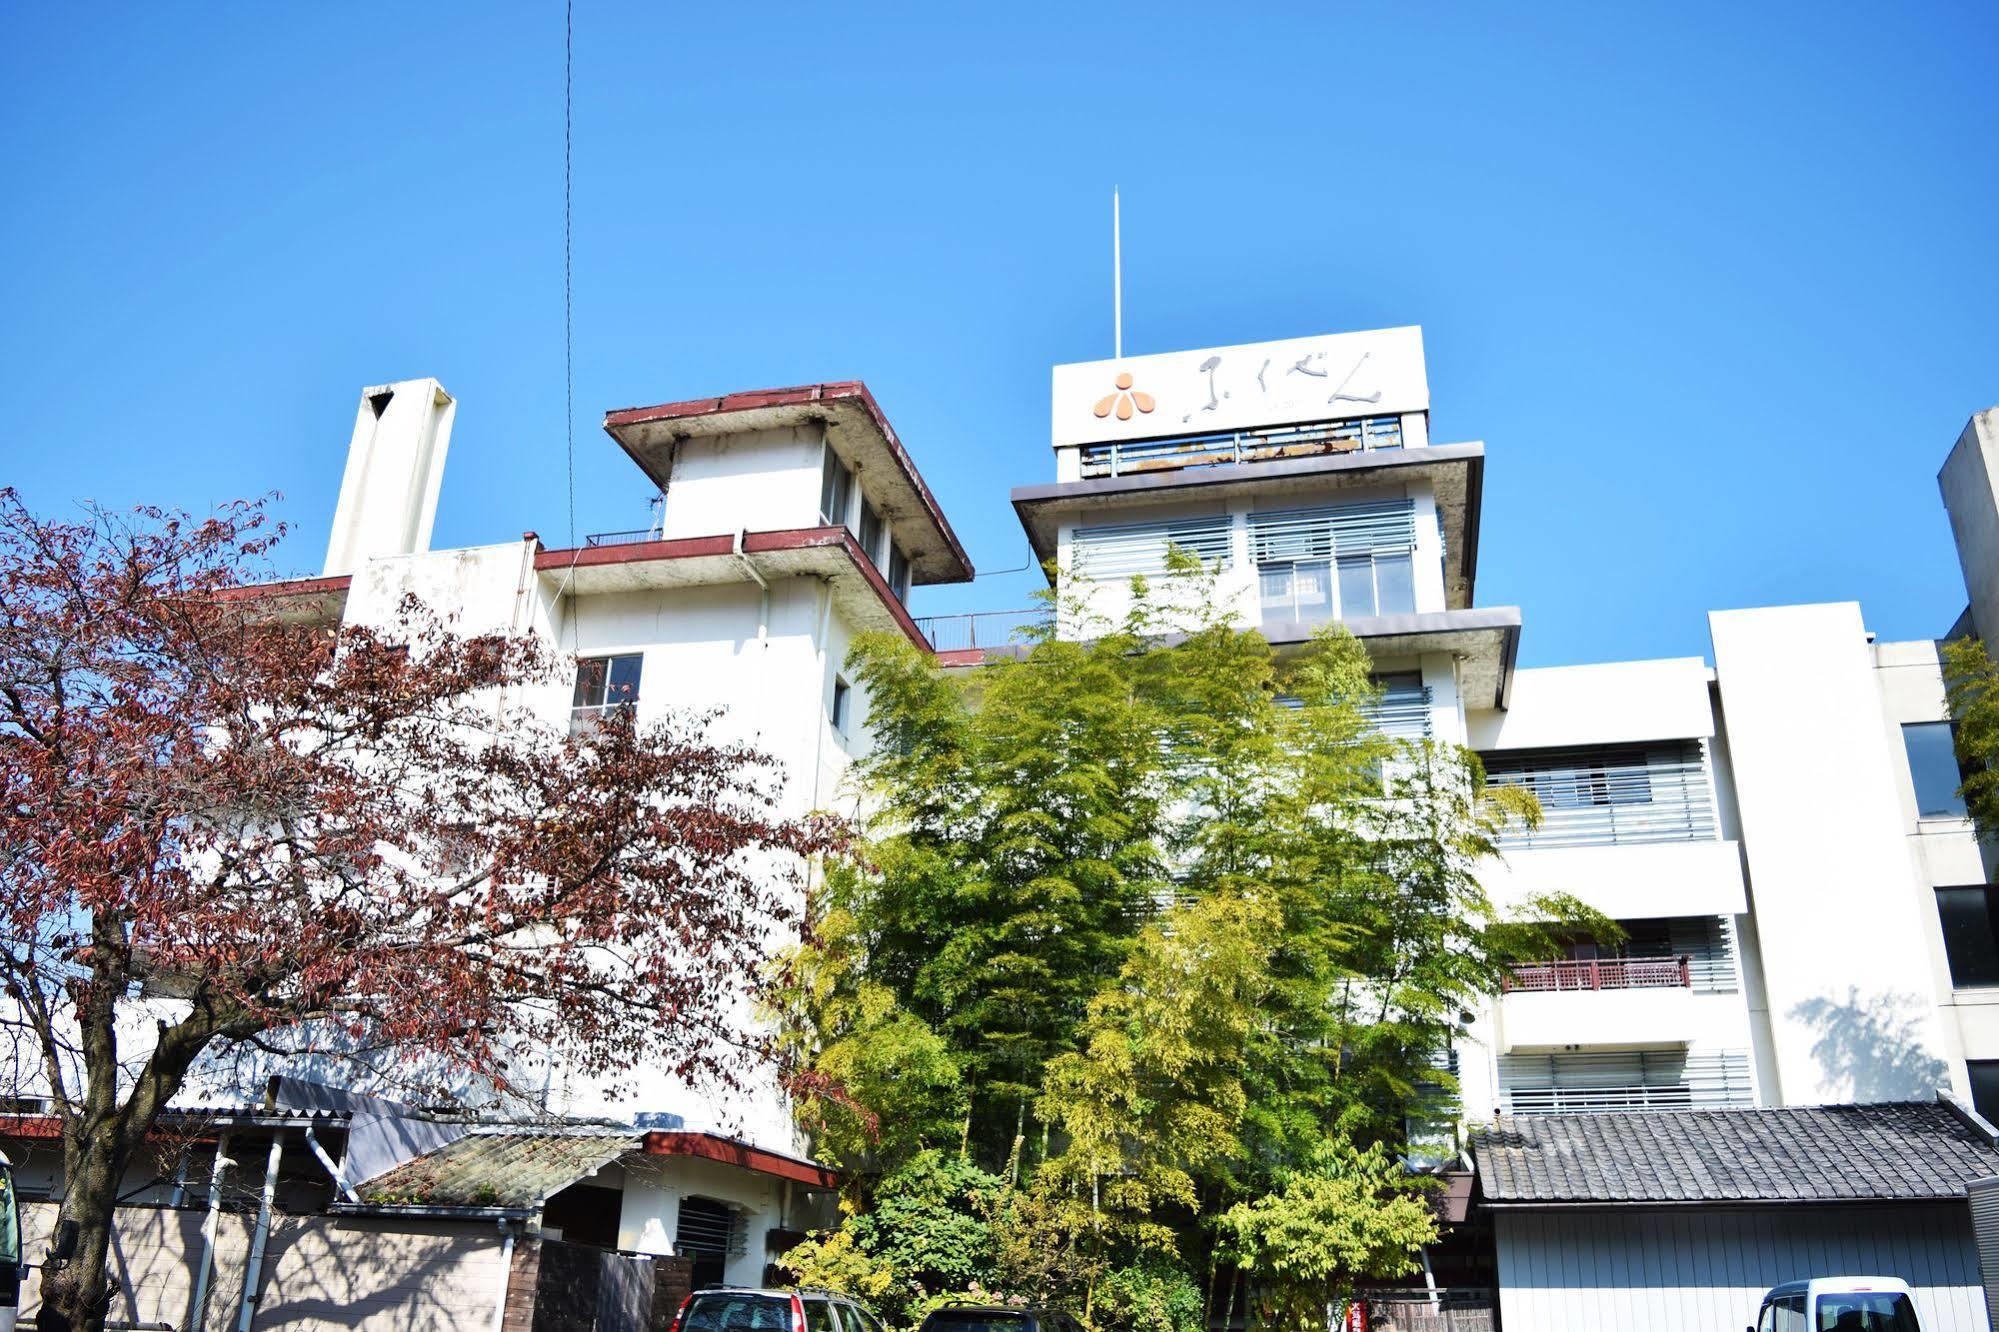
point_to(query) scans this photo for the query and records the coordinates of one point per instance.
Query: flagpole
(1117, 280)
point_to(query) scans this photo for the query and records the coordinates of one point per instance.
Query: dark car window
(819, 1316)
(1872, 1311)
(979, 1320)
(729, 1312)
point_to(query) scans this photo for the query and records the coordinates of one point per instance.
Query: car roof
(1839, 1285)
(1018, 1309)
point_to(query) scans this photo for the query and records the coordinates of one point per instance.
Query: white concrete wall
(1844, 962)
(1599, 704)
(1943, 852)
(702, 650)
(1541, 1023)
(650, 1218)
(1971, 498)
(758, 481)
(1679, 1269)
(1626, 882)
(395, 465)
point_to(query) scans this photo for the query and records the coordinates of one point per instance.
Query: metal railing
(1611, 799)
(1350, 435)
(1608, 973)
(979, 629)
(636, 536)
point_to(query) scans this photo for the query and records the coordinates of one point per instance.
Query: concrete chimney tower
(395, 464)
(1970, 484)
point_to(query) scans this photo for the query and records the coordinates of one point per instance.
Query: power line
(568, 261)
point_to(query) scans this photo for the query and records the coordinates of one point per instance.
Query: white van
(1839, 1304)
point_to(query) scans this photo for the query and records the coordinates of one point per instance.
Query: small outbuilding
(1659, 1221)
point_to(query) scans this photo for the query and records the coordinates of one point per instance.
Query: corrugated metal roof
(1901, 1151)
(499, 1167)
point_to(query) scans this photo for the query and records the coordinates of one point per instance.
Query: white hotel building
(1805, 904)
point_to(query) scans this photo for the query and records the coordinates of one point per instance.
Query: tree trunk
(76, 1296)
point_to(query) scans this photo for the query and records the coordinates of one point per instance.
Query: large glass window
(898, 572)
(602, 685)
(1984, 1088)
(836, 491)
(871, 534)
(1969, 937)
(1933, 766)
(1364, 550)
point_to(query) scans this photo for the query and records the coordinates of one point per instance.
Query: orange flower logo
(1124, 400)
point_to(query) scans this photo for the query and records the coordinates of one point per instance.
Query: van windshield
(1866, 1311)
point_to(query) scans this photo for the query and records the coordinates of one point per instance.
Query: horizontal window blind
(1127, 549)
(1610, 795)
(1334, 529)
(1623, 1080)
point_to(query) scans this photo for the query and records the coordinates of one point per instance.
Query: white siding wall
(760, 481)
(1678, 1270)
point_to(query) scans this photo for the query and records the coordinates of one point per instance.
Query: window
(819, 1316)
(843, 696)
(1933, 766)
(1872, 1311)
(871, 535)
(735, 1311)
(603, 684)
(1366, 550)
(898, 572)
(836, 491)
(1969, 937)
(1984, 1075)
(1130, 549)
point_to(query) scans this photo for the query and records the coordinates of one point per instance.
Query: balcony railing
(636, 536)
(1122, 458)
(1611, 973)
(979, 629)
(1618, 799)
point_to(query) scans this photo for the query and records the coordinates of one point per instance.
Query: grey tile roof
(512, 1168)
(1902, 1151)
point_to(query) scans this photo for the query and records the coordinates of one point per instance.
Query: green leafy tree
(1972, 680)
(1181, 919)
(1347, 1217)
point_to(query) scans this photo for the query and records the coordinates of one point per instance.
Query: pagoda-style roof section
(856, 429)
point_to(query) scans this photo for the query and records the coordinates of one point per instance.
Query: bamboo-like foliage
(1177, 917)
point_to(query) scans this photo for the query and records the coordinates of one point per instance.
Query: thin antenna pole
(1117, 280)
(568, 262)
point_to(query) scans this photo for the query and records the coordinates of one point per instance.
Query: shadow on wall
(1873, 1048)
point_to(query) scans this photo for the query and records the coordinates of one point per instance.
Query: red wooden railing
(1608, 973)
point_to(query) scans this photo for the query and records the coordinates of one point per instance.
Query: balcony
(1610, 797)
(1611, 973)
(1318, 438)
(982, 629)
(1612, 1080)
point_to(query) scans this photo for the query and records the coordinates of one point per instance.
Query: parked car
(998, 1318)
(741, 1309)
(1838, 1304)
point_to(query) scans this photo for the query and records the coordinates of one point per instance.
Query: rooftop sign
(1377, 373)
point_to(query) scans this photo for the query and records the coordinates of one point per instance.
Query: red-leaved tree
(226, 824)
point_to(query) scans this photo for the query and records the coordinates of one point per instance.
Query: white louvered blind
(1322, 532)
(1127, 549)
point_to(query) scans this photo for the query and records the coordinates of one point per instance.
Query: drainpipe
(506, 1274)
(763, 610)
(819, 732)
(197, 1309)
(253, 1271)
(337, 1171)
(1429, 1276)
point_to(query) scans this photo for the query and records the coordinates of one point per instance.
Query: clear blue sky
(1717, 284)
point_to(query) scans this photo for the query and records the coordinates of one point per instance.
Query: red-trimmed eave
(799, 397)
(713, 1147)
(754, 543)
(290, 587)
(49, 1128)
